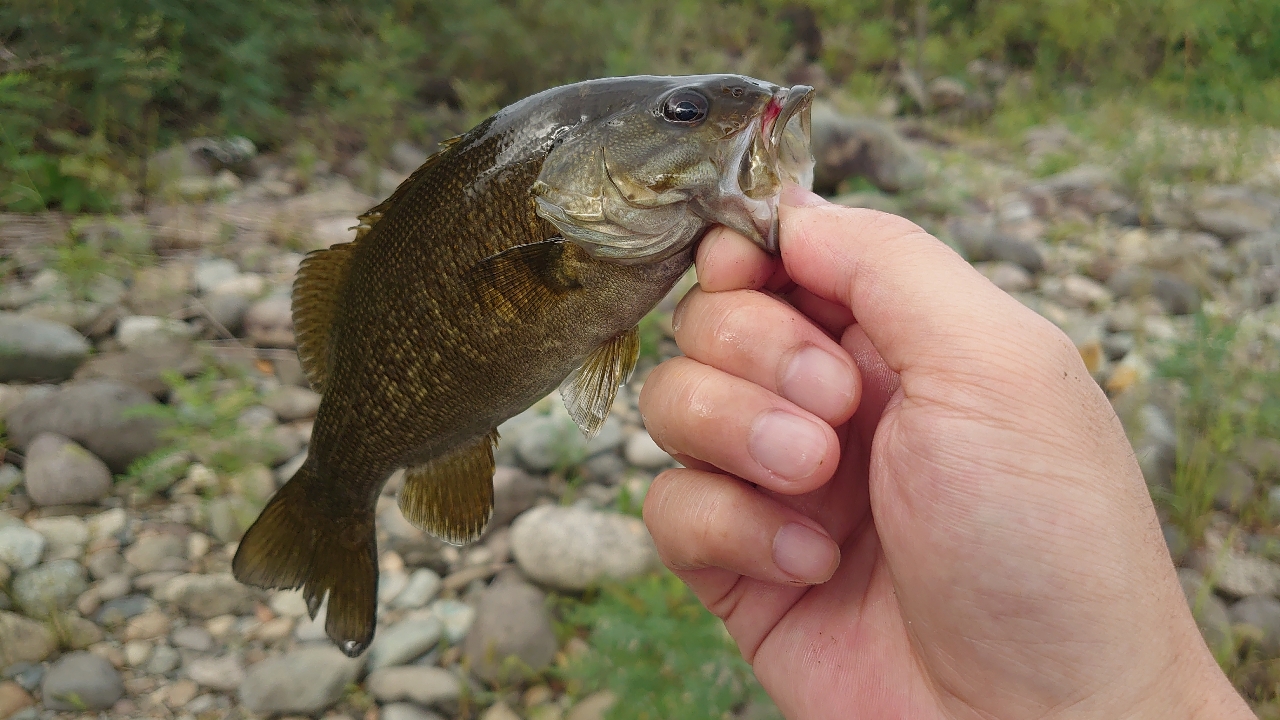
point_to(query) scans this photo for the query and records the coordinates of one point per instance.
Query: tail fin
(294, 543)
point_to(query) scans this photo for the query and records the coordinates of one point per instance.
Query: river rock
(81, 681)
(20, 546)
(293, 403)
(423, 585)
(1176, 295)
(571, 548)
(512, 636)
(161, 290)
(593, 707)
(1262, 614)
(50, 587)
(269, 322)
(97, 414)
(303, 681)
(946, 92)
(205, 596)
(24, 640)
(404, 641)
(514, 491)
(13, 697)
(643, 452)
(223, 673)
(551, 442)
(144, 367)
(66, 536)
(153, 552)
(421, 684)
(141, 331)
(209, 274)
(1210, 611)
(406, 711)
(1232, 211)
(61, 472)
(845, 147)
(35, 350)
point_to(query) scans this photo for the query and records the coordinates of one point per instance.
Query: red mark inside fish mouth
(771, 113)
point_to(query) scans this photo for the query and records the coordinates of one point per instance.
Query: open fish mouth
(786, 129)
(773, 151)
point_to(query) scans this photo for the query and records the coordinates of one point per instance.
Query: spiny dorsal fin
(588, 392)
(315, 301)
(521, 281)
(451, 497)
(374, 214)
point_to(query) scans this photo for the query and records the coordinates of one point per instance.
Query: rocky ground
(153, 402)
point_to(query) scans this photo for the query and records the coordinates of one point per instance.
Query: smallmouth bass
(517, 259)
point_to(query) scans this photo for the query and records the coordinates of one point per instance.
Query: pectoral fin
(588, 392)
(522, 281)
(451, 497)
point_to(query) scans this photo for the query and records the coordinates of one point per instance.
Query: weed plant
(200, 421)
(660, 652)
(1228, 374)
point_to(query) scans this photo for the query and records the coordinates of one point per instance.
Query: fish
(516, 260)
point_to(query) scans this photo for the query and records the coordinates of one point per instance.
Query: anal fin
(451, 497)
(589, 391)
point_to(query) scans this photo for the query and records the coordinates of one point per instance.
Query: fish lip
(781, 109)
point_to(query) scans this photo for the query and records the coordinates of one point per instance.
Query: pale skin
(928, 512)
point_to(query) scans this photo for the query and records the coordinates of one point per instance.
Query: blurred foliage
(200, 420)
(88, 89)
(1228, 375)
(660, 652)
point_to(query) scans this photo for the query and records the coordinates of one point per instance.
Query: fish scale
(516, 260)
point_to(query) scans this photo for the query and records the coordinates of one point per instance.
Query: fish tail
(296, 543)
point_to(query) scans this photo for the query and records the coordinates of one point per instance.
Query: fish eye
(685, 107)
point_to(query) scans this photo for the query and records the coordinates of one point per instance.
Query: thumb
(922, 306)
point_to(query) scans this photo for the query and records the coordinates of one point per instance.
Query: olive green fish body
(517, 260)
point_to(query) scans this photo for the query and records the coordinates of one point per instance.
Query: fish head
(643, 178)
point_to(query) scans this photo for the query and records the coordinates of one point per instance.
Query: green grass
(1228, 378)
(659, 651)
(200, 422)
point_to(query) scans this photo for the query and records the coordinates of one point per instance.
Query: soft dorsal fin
(588, 392)
(315, 301)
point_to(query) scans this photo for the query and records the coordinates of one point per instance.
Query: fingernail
(805, 554)
(819, 382)
(796, 196)
(788, 446)
(677, 315)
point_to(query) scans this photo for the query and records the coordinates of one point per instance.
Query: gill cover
(642, 183)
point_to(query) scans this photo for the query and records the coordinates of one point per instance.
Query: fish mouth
(771, 152)
(787, 104)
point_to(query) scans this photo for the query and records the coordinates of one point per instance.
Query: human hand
(928, 512)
